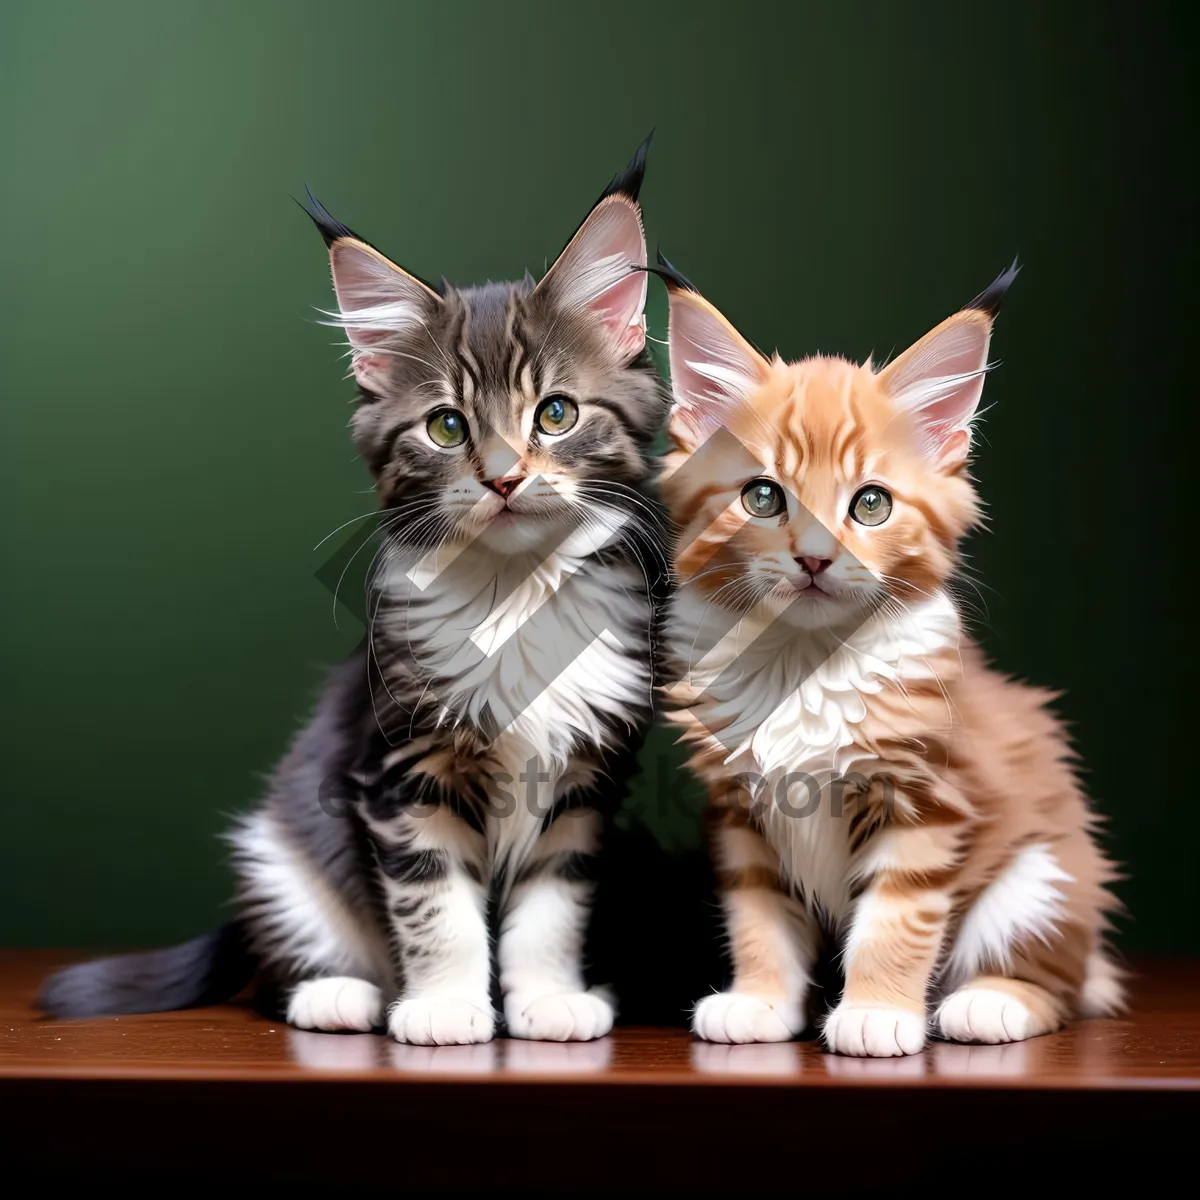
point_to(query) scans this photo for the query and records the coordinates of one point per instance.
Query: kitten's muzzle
(804, 582)
(812, 565)
(504, 486)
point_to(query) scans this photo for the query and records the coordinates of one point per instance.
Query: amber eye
(555, 415)
(447, 428)
(762, 498)
(871, 505)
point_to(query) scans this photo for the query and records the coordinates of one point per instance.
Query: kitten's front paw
(735, 1017)
(441, 1021)
(978, 1014)
(567, 1017)
(336, 1005)
(874, 1031)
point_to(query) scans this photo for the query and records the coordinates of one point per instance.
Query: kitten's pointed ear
(629, 181)
(939, 380)
(602, 268)
(713, 368)
(376, 299)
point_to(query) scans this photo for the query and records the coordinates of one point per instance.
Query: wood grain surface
(222, 1093)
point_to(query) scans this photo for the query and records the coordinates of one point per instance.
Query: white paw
(977, 1014)
(733, 1017)
(567, 1017)
(332, 1005)
(874, 1031)
(441, 1021)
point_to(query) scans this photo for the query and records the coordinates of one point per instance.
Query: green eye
(556, 415)
(447, 428)
(871, 505)
(762, 498)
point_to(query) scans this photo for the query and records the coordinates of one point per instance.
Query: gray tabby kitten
(450, 790)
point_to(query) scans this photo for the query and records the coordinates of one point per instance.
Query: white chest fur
(784, 712)
(544, 651)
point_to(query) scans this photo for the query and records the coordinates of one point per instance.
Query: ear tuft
(990, 298)
(629, 181)
(330, 228)
(673, 278)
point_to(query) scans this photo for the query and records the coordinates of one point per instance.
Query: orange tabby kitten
(869, 775)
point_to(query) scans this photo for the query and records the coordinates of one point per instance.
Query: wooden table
(221, 1095)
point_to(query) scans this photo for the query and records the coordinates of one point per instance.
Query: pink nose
(814, 566)
(505, 486)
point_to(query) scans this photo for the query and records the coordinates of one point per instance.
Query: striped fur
(451, 788)
(508, 653)
(871, 779)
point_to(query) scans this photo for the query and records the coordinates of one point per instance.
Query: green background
(836, 177)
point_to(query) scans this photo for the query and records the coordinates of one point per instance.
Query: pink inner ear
(952, 452)
(620, 308)
(713, 368)
(360, 282)
(940, 418)
(611, 246)
(599, 271)
(376, 301)
(376, 298)
(612, 234)
(939, 381)
(370, 370)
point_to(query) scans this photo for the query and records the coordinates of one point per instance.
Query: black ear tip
(990, 299)
(328, 226)
(674, 279)
(629, 181)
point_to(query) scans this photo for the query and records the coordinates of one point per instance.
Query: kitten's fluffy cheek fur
(440, 1021)
(874, 1031)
